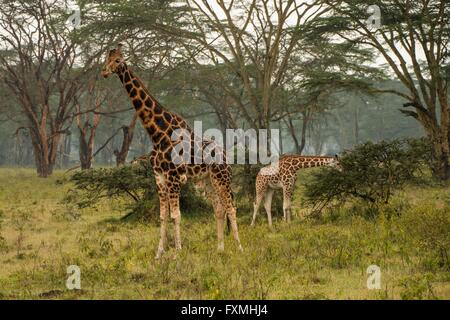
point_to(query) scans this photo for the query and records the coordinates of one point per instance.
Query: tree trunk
(293, 134)
(299, 146)
(44, 167)
(85, 152)
(87, 142)
(45, 149)
(67, 149)
(128, 133)
(305, 122)
(441, 154)
(438, 133)
(86, 147)
(281, 137)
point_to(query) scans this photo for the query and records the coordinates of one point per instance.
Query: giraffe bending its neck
(160, 125)
(284, 177)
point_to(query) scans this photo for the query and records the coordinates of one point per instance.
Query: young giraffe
(161, 125)
(283, 176)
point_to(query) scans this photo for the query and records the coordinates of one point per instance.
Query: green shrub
(422, 149)
(429, 229)
(136, 183)
(417, 288)
(371, 172)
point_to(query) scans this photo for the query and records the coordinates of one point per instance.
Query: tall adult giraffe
(283, 176)
(162, 126)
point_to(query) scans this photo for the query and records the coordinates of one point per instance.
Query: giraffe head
(114, 61)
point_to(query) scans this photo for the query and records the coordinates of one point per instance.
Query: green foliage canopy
(371, 172)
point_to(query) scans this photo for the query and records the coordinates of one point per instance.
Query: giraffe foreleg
(163, 214)
(175, 214)
(287, 198)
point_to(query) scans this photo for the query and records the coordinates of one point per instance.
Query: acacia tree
(87, 123)
(258, 61)
(413, 40)
(255, 41)
(304, 110)
(41, 67)
(237, 54)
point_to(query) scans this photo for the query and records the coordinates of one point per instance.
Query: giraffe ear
(119, 48)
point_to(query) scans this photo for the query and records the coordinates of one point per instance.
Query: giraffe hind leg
(231, 213)
(226, 199)
(260, 191)
(219, 213)
(256, 205)
(287, 198)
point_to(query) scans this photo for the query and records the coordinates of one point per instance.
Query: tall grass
(324, 258)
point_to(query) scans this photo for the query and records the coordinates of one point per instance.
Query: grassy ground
(308, 259)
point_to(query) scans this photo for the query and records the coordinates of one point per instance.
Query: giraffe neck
(310, 161)
(157, 121)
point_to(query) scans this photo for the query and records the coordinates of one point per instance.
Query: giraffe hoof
(241, 249)
(221, 247)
